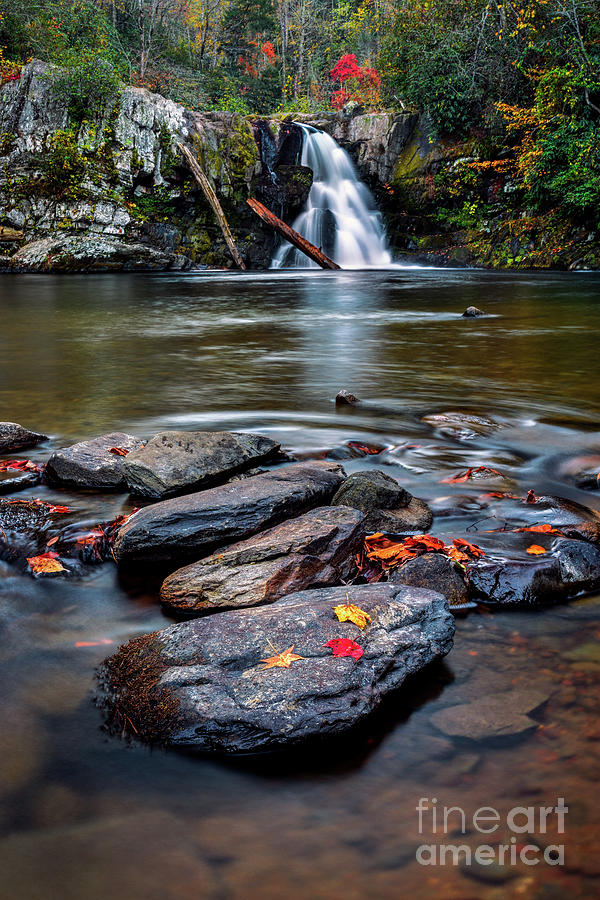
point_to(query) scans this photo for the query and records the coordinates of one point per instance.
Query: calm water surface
(87, 816)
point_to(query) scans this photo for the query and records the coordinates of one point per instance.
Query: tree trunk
(214, 202)
(292, 236)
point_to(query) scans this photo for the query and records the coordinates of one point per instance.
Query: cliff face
(116, 195)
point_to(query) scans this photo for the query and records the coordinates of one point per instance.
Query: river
(85, 815)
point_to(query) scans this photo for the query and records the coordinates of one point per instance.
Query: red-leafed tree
(359, 83)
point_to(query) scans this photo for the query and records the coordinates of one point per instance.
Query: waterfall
(340, 216)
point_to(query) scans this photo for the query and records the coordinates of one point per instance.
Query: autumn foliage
(358, 83)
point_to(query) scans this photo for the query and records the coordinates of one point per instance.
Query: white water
(340, 216)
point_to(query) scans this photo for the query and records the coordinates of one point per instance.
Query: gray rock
(203, 684)
(387, 505)
(496, 715)
(193, 526)
(345, 398)
(89, 464)
(435, 572)
(579, 564)
(15, 437)
(370, 490)
(472, 312)
(532, 582)
(416, 518)
(89, 252)
(175, 462)
(314, 550)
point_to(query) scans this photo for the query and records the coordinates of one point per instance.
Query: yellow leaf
(536, 550)
(348, 612)
(281, 660)
(42, 565)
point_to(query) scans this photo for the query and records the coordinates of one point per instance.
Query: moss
(7, 142)
(134, 703)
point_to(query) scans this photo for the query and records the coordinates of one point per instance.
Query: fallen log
(292, 236)
(214, 202)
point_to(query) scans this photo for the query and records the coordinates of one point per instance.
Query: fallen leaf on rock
(392, 553)
(345, 647)
(541, 529)
(536, 550)
(281, 660)
(473, 472)
(52, 541)
(45, 564)
(118, 451)
(348, 612)
(367, 449)
(20, 465)
(531, 498)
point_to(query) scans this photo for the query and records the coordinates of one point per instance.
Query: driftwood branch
(292, 236)
(214, 202)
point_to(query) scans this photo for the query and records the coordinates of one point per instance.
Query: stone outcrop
(189, 527)
(387, 505)
(205, 684)
(314, 550)
(176, 462)
(14, 437)
(91, 464)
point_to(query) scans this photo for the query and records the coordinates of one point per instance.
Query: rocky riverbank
(308, 596)
(114, 194)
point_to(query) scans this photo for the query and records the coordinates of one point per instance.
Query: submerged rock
(435, 572)
(534, 582)
(90, 464)
(496, 715)
(464, 426)
(472, 312)
(174, 462)
(195, 525)
(14, 437)
(204, 684)
(387, 505)
(316, 549)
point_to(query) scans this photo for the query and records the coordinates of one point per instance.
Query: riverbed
(87, 815)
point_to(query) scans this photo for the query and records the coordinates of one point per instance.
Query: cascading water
(340, 216)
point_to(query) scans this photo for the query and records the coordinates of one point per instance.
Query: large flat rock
(193, 526)
(90, 464)
(14, 437)
(175, 462)
(314, 550)
(204, 683)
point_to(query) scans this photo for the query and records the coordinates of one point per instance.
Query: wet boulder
(531, 582)
(214, 683)
(25, 527)
(92, 464)
(473, 312)
(316, 549)
(192, 526)
(434, 572)
(176, 462)
(579, 564)
(463, 426)
(15, 437)
(387, 505)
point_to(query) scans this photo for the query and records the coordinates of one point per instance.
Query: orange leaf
(46, 564)
(118, 451)
(536, 550)
(474, 471)
(348, 612)
(282, 660)
(542, 529)
(100, 643)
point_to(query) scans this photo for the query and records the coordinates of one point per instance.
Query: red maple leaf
(345, 647)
